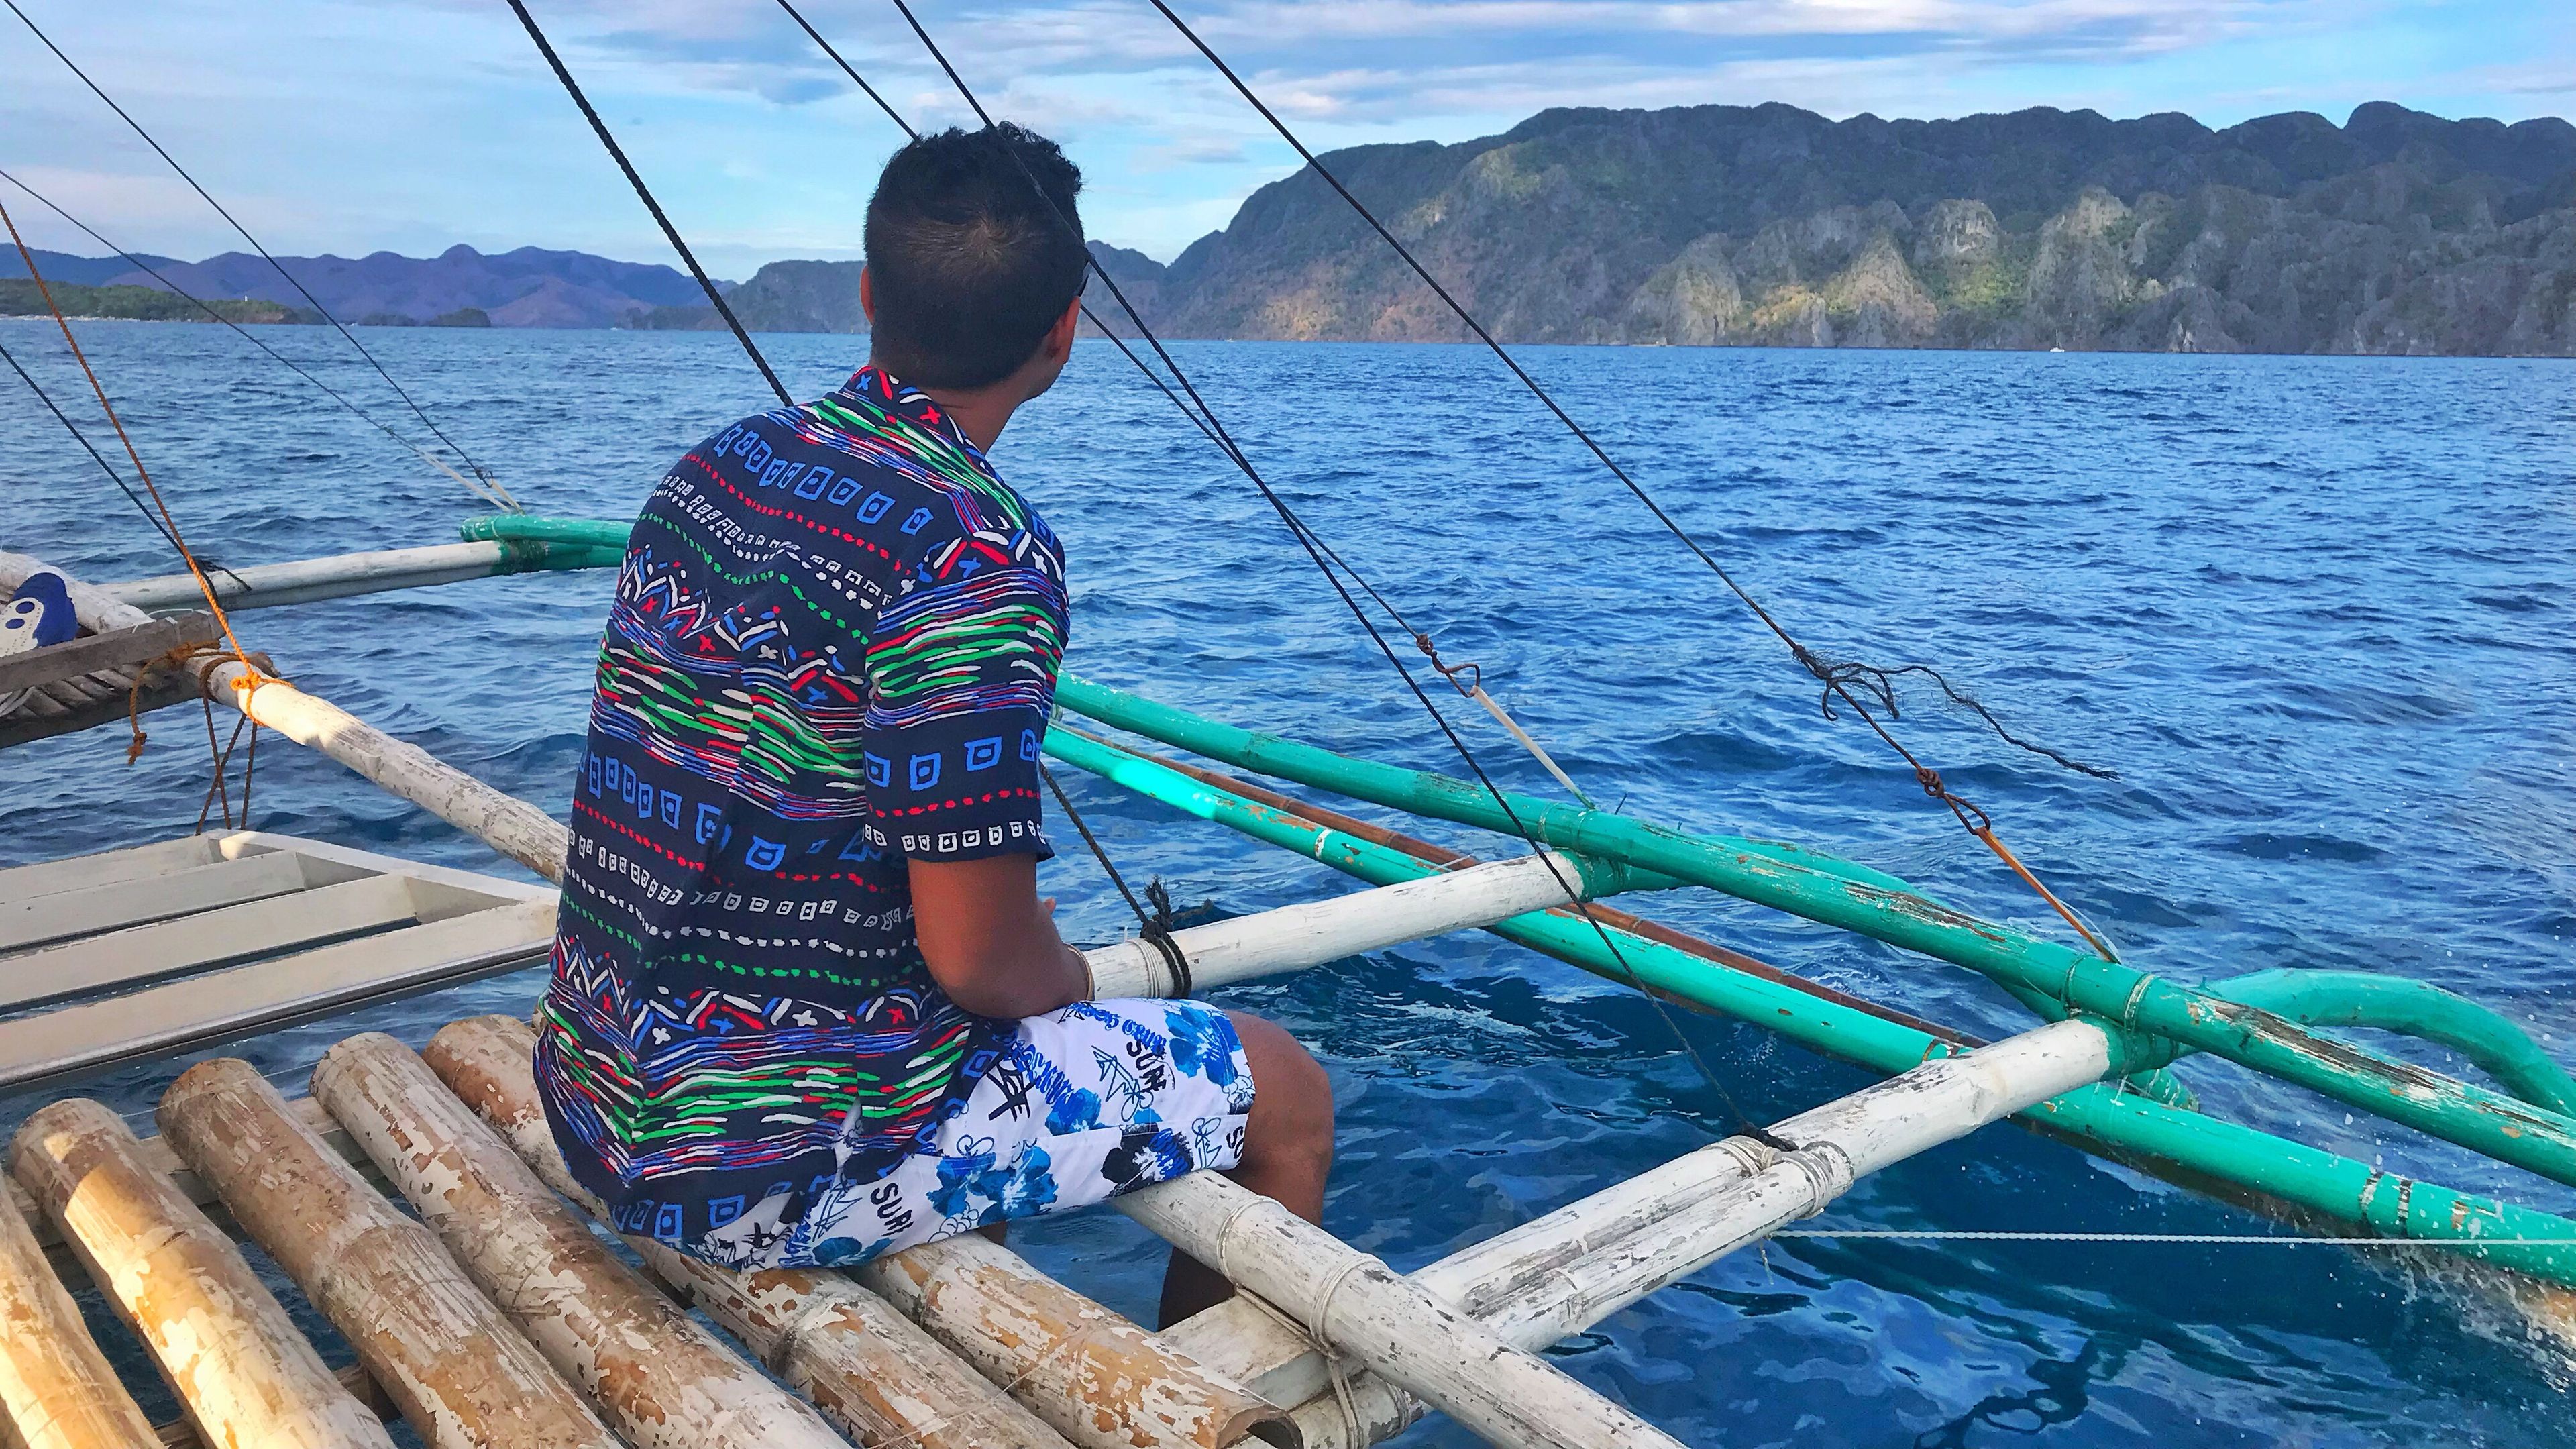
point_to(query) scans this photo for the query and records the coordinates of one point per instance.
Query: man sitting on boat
(808, 1007)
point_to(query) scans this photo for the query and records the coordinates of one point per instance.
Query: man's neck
(980, 413)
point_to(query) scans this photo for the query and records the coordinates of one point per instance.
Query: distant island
(2396, 232)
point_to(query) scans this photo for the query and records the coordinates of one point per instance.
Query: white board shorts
(1084, 1103)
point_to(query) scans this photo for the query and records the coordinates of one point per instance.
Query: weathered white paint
(1563, 1272)
(1351, 1300)
(870, 1369)
(464, 1375)
(509, 825)
(660, 1380)
(1294, 938)
(223, 1343)
(1098, 1378)
(56, 1390)
(265, 586)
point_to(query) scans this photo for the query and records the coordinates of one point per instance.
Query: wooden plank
(216, 1006)
(209, 938)
(114, 649)
(137, 862)
(86, 911)
(494, 889)
(42, 718)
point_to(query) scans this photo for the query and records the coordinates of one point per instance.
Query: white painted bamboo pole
(660, 1380)
(462, 1372)
(1101, 1380)
(869, 1369)
(1293, 938)
(509, 825)
(1348, 1299)
(242, 1371)
(1677, 1219)
(305, 581)
(56, 1390)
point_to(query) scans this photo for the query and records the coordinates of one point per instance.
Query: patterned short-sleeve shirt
(832, 653)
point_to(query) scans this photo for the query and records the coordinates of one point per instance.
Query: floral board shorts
(1084, 1103)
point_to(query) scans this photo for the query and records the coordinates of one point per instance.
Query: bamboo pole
(464, 1376)
(1294, 938)
(2141, 1006)
(2201, 1151)
(870, 1369)
(56, 1390)
(306, 581)
(511, 826)
(230, 1353)
(660, 1380)
(1099, 1379)
(1563, 1272)
(1354, 1302)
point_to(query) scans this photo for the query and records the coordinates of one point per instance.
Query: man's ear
(1059, 338)
(868, 295)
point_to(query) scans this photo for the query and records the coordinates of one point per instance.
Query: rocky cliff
(2396, 232)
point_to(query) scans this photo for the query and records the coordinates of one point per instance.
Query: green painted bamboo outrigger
(2258, 1021)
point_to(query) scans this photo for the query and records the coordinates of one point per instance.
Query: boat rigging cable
(253, 338)
(1153, 930)
(1840, 678)
(1208, 423)
(490, 487)
(89, 447)
(254, 670)
(1317, 552)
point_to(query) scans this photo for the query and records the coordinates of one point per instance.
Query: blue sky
(415, 124)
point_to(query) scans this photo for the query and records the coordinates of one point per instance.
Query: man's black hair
(969, 263)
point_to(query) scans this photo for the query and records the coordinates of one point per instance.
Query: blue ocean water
(2314, 611)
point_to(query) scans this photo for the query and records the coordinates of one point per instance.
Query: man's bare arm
(989, 941)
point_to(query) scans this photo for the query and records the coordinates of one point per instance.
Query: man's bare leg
(1287, 1151)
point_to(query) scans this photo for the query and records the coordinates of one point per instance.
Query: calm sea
(2315, 612)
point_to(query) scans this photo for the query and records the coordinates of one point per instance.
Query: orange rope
(2004, 853)
(252, 678)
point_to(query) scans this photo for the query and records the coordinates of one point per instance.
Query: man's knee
(1292, 1099)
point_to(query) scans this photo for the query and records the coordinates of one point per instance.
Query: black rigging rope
(1154, 927)
(247, 335)
(90, 448)
(573, 89)
(325, 312)
(1840, 677)
(1312, 543)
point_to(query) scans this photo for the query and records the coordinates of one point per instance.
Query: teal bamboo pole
(2495, 1045)
(2527, 1136)
(531, 528)
(2504, 1234)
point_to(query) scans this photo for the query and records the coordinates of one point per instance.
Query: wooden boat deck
(185, 943)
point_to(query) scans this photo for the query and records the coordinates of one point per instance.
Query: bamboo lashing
(660, 1380)
(871, 1370)
(464, 1375)
(227, 1348)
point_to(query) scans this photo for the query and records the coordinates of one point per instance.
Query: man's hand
(990, 942)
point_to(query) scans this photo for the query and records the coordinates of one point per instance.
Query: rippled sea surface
(2315, 612)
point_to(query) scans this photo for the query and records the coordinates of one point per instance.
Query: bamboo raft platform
(414, 1200)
